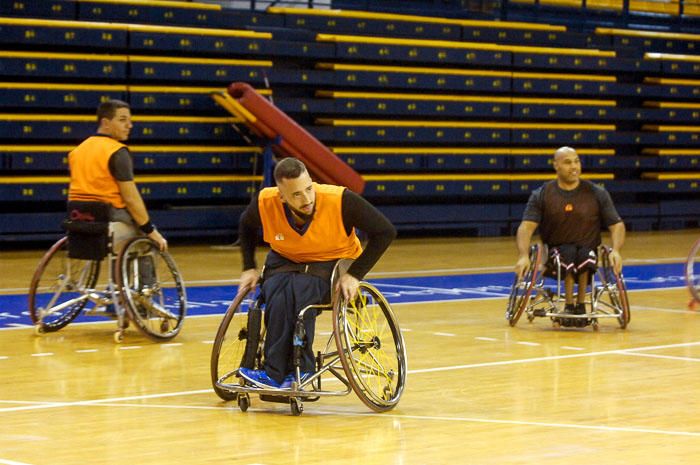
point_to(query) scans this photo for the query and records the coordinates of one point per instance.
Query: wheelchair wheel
(692, 271)
(152, 290)
(236, 344)
(371, 348)
(522, 287)
(613, 292)
(57, 291)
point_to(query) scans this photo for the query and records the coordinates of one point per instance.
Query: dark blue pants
(285, 295)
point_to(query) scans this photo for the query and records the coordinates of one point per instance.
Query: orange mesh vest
(90, 179)
(325, 239)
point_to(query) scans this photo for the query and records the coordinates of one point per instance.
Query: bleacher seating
(452, 121)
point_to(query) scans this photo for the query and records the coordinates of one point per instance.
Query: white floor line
(421, 302)
(45, 405)
(629, 351)
(428, 271)
(572, 348)
(660, 309)
(550, 358)
(605, 428)
(445, 334)
(12, 462)
(669, 357)
(445, 290)
(599, 428)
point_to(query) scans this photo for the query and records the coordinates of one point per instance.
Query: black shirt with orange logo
(571, 217)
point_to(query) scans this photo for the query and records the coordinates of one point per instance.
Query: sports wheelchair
(143, 285)
(534, 295)
(692, 274)
(365, 351)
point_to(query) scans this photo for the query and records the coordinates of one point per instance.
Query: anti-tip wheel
(243, 402)
(296, 406)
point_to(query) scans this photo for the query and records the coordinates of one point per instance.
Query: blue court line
(211, 300)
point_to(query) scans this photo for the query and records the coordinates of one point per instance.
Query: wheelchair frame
(356, 353)
(62, 287)
(692, 278)
(607, 295)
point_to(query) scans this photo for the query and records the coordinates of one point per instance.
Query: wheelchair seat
(87, 225)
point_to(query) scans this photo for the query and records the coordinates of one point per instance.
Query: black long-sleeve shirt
(356, 212)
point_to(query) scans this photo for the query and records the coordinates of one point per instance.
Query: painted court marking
(630, 351)
(635, 351)
(12, 462)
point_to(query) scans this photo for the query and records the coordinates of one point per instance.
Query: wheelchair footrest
(271, 398)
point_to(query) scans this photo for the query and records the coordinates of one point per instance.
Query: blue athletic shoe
(291, 377)
(259, 378)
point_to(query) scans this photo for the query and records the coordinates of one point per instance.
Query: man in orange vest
(309, 227)
(101, 169)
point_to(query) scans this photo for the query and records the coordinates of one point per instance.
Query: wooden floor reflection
(478, 391)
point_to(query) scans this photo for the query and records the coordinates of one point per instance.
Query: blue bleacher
(452, 121)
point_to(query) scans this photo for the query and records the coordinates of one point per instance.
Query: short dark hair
(288, 168)
(109, 108)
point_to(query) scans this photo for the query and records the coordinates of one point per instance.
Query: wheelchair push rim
(523, 286)
(692, 271)
(232, 338)
(371, 348)
(151, 288)
(58, 290)
(610, 297)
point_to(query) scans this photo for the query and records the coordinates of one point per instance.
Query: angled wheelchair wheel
(692, 271)
(371, 348)
(152, 290)
(522, 287)
(612, 295)
(237, 343)
(59, 288)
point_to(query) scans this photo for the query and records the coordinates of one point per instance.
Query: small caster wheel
(296, 406)
(38, 329)
(556, 324)
(164, 326)
(530, 318)
(119, 336)
(243, 402)
(594, 325)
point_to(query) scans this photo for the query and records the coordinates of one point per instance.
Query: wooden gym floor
(478, 391)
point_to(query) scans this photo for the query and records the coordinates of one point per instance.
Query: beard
(305, 217)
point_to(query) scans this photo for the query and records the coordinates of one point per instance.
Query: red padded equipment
(295, 141)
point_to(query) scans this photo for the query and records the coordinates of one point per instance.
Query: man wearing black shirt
(570, 213)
